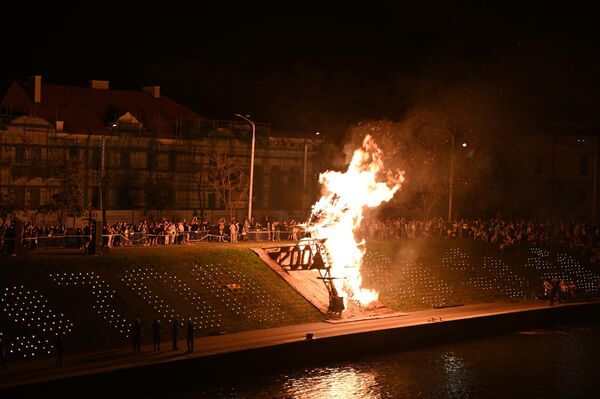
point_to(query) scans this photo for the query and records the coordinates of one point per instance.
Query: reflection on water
(457, 377)
(552, 363)
(334, 382)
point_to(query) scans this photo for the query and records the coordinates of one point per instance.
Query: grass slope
(221, 287)
(226, 288)
(417, 274)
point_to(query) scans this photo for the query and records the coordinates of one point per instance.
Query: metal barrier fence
(56, 242)
(146, 239)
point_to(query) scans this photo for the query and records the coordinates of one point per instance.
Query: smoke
(421, 145)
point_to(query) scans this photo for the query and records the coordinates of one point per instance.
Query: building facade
(561, 174)
(155, 155)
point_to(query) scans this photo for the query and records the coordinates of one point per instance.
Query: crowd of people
(168, 232)
(163, 232)
(559, 290)
(504, 233)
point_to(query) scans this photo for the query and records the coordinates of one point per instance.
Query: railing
(56, 242)
(146, 239)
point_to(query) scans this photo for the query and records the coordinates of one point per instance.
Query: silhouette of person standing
(59, 346)
(2, 353)
(174, 332)
(156, 334)
(136, 335)
(190, 336)
(553, 290)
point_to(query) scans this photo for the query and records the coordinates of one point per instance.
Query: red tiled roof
(89, 110)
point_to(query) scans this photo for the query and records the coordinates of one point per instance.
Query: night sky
(306, 67)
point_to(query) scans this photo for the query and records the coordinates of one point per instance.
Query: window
(96, 197)
(172, 161)
(73, 153)
(294, 187)
(276, 189)
(19, 153)
(19, 193)
(583, 166)
(123, 198)
(539, 165)
(151, 160)
(94, 160)
(257, 187)
(36, 153)
(34, 197)
(211, 200)
(125, 160)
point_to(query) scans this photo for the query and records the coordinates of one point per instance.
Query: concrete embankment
(371, 337)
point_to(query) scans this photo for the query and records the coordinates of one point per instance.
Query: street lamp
(246, 118)
(102, 183)
(451, 184)
(450, 189)
(306, 141)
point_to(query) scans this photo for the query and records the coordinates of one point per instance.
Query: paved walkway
(27, 372)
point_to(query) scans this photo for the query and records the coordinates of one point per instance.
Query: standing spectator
(233, 232)
(547, 289)
(174, 332)
(268, 226)
(156, 334)
(572, 289)
(553, 290)
(59, 347)
(221, 228)
(246, 230)
(2, 353)
(563, 290)
(136, 334)
(190, 336)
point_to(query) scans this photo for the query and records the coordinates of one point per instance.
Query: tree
(229, 179)
(199, 180)
(8, 206)
(69, 200)
(159, 193)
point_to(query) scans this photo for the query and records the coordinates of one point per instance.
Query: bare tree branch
(229, 180)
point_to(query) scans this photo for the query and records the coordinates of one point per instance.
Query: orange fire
(338, 214)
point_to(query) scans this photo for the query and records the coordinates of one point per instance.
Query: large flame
(338, 214)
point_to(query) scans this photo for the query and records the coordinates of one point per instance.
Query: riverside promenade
(274, 348)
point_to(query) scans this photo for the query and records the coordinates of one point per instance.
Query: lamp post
(102, 183)
(451, 188)
(451, 184)
(251, 165)
(304, 172)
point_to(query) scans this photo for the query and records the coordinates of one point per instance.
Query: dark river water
(558, 363)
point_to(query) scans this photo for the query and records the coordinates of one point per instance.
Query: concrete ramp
(304, 281)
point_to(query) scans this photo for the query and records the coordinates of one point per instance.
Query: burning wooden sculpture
(310, 254)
